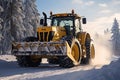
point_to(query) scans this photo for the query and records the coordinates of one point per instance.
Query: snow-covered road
(9, 70)
(100, 69)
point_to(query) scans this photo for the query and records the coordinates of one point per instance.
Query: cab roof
(65, 15)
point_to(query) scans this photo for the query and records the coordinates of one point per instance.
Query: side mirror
(41, 21)
(84, 21)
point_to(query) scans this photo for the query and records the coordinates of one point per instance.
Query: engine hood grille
(53, 33)
(46, 36)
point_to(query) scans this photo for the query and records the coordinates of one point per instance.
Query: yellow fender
(82, 36)
(74, 52)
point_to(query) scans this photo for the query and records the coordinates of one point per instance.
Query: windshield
(62, 21)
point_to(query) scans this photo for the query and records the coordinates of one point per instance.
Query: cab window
(62, 21)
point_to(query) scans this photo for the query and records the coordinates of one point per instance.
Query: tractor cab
(70, 21)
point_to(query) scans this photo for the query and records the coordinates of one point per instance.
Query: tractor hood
(50, 33)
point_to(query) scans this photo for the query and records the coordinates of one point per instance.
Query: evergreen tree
(35, 19)
(17, 27)
(1, 20)
(13, 28)
(6, 30)
(31, 19)
(27, 20)
(115, 36)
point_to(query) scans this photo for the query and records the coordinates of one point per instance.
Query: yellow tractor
(63, 43)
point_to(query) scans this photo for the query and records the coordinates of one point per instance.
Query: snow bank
(88, 72)
(109, 72)
(7, 58)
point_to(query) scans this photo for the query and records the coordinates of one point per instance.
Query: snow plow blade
(39, 48)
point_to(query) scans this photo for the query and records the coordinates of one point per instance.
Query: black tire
(66, 63)
(87, 59)
(53, 61)
(26, 61)
(30, 39)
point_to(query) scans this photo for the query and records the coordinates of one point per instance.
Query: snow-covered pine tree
(17, 27)
(6, 30)
(36, 17)
(115, 36)
(31, 20)
(28, 16)
(1, 20)
(13, 28)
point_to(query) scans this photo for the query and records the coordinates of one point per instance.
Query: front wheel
(53, 60)
(75, 55)
(66, 63)
(26, 61)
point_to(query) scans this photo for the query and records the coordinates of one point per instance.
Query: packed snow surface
(105, 66)
(9, 70)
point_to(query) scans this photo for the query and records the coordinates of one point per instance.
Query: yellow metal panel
(69, 54)
(82, 36)
(59, 32)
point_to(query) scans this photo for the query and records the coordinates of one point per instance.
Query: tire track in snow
(48, 73)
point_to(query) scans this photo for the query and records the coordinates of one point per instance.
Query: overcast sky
(99, 13)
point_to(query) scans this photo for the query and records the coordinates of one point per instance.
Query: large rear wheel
(90, 52)
(86, 60)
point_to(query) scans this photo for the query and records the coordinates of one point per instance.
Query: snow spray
(103, 50)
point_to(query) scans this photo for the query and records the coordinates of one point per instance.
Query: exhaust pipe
(45, 19)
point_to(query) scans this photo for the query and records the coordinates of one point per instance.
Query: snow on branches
(115, 36)
(18, 19)
(31, 19)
